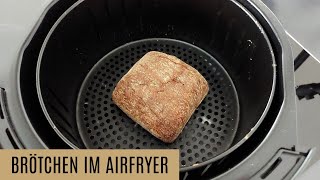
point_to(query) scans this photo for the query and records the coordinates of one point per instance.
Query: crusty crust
(160, 92)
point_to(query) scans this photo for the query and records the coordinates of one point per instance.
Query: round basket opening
(221, 39)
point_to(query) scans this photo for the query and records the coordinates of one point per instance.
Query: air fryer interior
(94, 28)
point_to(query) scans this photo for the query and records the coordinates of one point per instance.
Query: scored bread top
(160, 92)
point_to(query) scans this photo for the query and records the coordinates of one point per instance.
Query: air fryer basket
(221, 36)
(209, 132)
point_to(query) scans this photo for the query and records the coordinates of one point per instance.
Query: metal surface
(209, 132)
(300, 20)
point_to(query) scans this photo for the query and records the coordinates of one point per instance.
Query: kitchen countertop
(300, 19)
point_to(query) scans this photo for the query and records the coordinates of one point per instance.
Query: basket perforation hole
(183, 162)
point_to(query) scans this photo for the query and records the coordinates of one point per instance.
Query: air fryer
(83, 48)
(219, 38)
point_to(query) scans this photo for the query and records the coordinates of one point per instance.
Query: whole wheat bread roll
(160, 92)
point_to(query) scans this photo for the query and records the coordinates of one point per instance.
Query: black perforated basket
(209, 132)
(96, 42)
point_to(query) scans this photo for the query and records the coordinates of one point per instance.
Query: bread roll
(160, 92)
